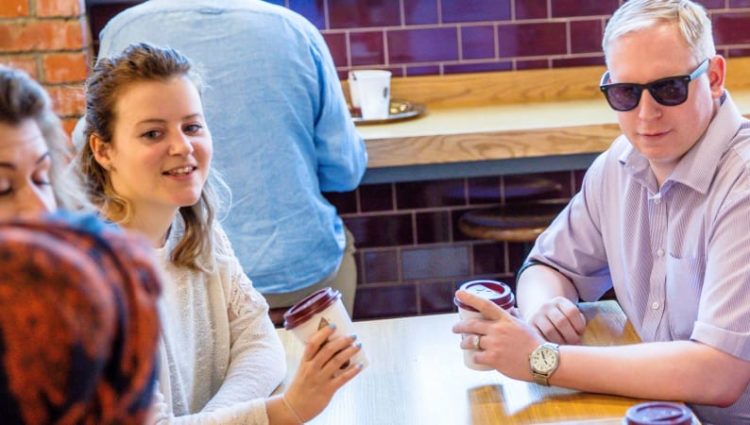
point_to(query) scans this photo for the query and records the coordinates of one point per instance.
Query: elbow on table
(727, 396)
(719, 393)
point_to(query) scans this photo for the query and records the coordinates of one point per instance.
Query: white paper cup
(374, 93)
(315, 312)
(497, 292)
(353, 92)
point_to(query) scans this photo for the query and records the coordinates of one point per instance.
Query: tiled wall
(422, 37)
(411, 254)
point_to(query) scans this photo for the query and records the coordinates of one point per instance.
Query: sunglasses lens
(670, 92)
(623, 97)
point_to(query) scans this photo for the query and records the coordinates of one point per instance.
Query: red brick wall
(48, 39)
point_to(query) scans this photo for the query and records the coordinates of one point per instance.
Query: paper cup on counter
(353, 91)
(317, 311)
(373, 92)
(497, 292)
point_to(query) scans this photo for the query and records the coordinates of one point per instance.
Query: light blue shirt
(678, 256)
(280, 126)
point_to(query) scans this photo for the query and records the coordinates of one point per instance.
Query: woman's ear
(102, 151)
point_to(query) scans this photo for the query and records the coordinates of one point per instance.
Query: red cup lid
(659, 413)
(309, 306)
(497, 292)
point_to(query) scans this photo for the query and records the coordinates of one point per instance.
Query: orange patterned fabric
(78, 323)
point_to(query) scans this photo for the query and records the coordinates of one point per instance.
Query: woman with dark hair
(147, 161)
(78, 323)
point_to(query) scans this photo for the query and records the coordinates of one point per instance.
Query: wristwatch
(544, 360)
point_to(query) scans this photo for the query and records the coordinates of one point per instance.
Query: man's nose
(648, 108)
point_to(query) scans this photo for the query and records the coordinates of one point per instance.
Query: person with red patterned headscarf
(78, 323)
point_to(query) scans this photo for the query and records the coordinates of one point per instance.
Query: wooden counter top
(507, 116)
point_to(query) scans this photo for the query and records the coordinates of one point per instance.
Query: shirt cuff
(734, 343)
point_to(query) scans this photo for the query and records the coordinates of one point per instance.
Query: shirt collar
(696, 169)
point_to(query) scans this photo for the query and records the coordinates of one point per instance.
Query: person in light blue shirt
(282, 134)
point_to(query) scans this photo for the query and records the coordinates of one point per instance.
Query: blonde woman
(147, 164)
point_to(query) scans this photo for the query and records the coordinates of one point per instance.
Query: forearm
(679, 370)
(538, 284)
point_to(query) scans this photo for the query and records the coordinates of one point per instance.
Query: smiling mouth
(181, 171)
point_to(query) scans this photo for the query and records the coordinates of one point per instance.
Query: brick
(23, 62)
(64, 68)
(41, 35)
(69, 124)
(58, 8)
(14, 8)
(69, 101)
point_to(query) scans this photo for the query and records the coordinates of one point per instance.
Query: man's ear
(717, 72)
(102, 151)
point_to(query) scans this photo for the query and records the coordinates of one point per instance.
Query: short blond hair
(690, 17)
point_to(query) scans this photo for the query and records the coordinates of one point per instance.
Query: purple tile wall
(440, 37)
(411, 254)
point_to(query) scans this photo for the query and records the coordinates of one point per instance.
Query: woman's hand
(325, 367)
(505, 341)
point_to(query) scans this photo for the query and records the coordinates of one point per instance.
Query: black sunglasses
(670, 91)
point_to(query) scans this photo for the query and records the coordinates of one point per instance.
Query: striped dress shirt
(678, 256)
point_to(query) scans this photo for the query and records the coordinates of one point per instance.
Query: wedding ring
(476, 342)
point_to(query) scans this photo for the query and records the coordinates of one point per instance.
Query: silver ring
(476, 342)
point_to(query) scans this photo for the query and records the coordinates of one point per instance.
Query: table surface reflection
(416, 376)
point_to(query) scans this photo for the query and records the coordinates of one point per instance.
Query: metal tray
(400, 110)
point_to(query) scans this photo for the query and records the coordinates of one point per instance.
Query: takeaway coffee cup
(658, 413)
(497, 292)
(317, 311)
(370, 90)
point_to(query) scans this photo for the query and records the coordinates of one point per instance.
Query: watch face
(543, 360)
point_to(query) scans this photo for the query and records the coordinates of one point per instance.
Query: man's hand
(505, 341)
(559, 320)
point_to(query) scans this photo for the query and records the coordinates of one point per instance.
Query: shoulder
(734, 170)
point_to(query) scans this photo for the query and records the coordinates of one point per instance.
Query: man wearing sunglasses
(663, 217)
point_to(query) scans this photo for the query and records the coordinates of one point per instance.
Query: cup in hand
(497, 292)
(317, 311)
(370, 90)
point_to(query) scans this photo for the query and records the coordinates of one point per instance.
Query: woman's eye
(152, 134)
(193, 128)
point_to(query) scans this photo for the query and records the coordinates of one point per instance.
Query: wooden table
(416, 376)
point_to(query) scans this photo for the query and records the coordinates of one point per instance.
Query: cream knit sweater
(219, 354)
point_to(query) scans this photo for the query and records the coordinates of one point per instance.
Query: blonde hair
(22, 98)
(690, 17)
(142, 63)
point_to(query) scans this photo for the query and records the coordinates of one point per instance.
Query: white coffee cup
(497, 292)
(318, 310)
(372, 92)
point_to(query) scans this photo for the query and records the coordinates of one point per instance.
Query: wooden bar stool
(521, 222)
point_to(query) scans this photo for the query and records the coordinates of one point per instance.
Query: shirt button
(657, 201)
(660, 252)
(655, 305)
